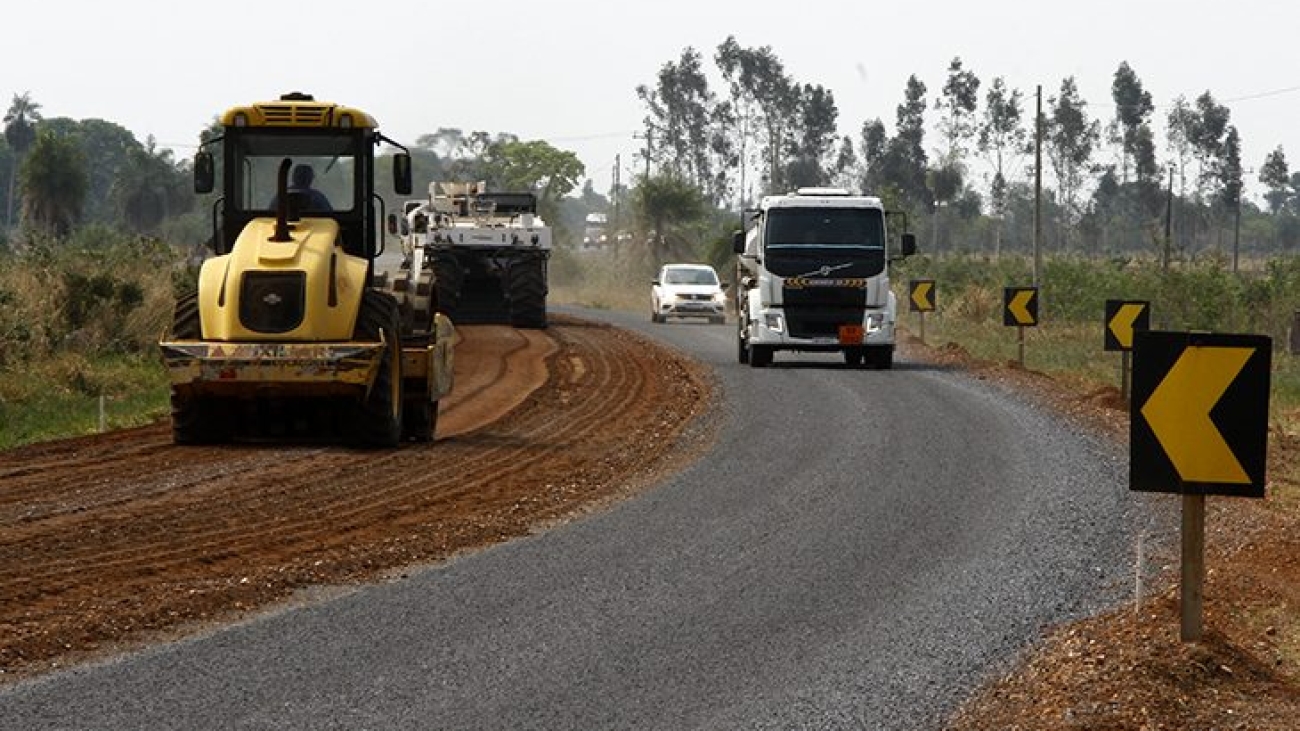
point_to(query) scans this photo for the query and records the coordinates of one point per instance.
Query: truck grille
(295, 115)
(272, 302)
(819, 312)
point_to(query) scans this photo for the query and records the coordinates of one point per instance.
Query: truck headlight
(875, 321)
(774, 322)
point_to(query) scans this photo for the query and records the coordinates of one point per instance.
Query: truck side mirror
(738, 242)
(402, 173)
(205, 173)
(908, 244)
(392, 223)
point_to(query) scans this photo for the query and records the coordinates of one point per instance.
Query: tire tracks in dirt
(122, 538)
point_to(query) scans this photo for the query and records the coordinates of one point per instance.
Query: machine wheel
(528, 292)
(424, 302)
(760, 356)
(196, 419)
(448, 279)
(657, 318)
(419, 419)
(379, 423)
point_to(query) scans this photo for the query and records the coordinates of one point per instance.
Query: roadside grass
(60, 396)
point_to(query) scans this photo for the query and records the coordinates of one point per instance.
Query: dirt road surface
(117, 540)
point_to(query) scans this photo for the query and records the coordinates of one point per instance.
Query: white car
(687, 290)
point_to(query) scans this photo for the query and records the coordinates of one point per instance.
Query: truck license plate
(850, 334)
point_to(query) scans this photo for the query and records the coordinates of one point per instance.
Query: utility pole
(1169, 220)
(1038, 184)
(649, 147)
(614, 189)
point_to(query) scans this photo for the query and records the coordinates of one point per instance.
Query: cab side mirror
(205, 172)
(738, 242)
(402, 173)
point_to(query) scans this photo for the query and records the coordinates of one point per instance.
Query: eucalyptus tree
(53, 178)
(1071, 139)
(761, 92)
(1133, 109)
(1180, 124)
(1209, 130)
(874, 143)
(813, 139)
(1275, 174)
(956, 107)
(680, 118)
(20, 134)
(903, 163)
(1001, 133)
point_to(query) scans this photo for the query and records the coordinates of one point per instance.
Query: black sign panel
(1199, 414)
(1020, 306)
(921, 295)
(1123, 318)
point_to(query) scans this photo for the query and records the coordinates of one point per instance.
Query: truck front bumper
(770, 329)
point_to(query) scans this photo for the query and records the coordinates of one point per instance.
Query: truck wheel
(853, 358)
(760, 356)
(528, 292)
(882, 358)
(196, 419)
(379, 422)
(448, 278)
(742, 349)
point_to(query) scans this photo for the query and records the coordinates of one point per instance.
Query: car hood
(690, 288)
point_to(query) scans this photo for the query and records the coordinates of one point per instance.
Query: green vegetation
(79, 320)
(1198, 295)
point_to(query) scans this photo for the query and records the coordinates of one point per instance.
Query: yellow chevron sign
(1020, 306)
(922, 295)
(1199, 420)
(1123, 318)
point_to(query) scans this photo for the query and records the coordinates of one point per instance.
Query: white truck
(813, 275)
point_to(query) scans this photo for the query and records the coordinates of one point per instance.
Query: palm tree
(20, 132)
(54, 184)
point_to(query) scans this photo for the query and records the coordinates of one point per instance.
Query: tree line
(961, 160)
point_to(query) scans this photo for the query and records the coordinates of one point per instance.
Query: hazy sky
(566, 70)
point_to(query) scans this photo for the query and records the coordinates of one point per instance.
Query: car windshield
(690, 276)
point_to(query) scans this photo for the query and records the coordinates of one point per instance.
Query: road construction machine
(484, 253)
(288, 333)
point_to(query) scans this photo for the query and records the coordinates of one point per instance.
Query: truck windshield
(325, 164)
(839, 228)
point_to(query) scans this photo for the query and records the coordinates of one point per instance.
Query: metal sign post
(921, 299)
(1192, 588)
(1123, 318)
(1020, 309)
(1198, 426)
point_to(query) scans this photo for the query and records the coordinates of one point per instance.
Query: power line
(1264, 94)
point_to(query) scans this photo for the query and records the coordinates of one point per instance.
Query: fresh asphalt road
(858, 550)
